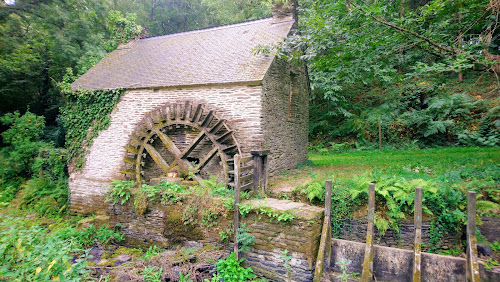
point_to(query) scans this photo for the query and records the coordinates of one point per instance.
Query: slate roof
(210, 56)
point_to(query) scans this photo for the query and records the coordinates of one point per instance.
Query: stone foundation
(162, 225)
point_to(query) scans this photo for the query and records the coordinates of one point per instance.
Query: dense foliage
(395, 62)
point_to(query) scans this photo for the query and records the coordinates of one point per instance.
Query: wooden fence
(323, 259)
(250, 174)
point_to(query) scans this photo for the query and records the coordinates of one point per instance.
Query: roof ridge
(231, 25)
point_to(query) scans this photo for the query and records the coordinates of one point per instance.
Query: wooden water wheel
(181, 138)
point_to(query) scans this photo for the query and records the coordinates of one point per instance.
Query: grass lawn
(438, 160)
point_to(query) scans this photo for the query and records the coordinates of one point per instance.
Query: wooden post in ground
(472, 265)
(323, 259)
(367, 273)
(259, 170)
(328, 215)
(237, 184)
(418, 235)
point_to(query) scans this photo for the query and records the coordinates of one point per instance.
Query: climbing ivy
(86, 113)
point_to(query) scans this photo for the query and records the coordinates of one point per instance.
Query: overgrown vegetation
(444, 174)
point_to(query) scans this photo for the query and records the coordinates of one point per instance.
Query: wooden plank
(471, 213)
(246, 187)
(246, 169)
(131, 149)
(193, 145)
(157, 158)
(216, 127)
(129, 160)
(169, 143)
(257, 173)
(328, 216)
(187, 110)
(246, 178)
(472, 264)
(264, 175)
(197, 113)
(224, 136)
(173, 112)
(246, 160)
(236, 202)
(206, 159)
(208, 119)
(128, 171)
(417, 256)
(229, 148)
(320, 259)
(367, 273)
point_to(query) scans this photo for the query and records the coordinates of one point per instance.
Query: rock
(192, 244)
(96, 254)
(97, 221)
(484, 250)
(121, 259)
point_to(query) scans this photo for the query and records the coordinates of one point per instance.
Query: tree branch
(401, 29)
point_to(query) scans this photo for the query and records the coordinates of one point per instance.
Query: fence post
(472, 265)
(367, 273)
(418, 235)
(237, 184)
(328, 215)
(259, 170)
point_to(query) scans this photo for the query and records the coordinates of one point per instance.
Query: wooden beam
(169, 143)
(236, 202)
(193, 145)
(328, 215)
(367, 273)
(207, 158)
(472, 264)
(157, 158)
(417, 274)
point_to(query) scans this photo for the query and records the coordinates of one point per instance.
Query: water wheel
(186, 139)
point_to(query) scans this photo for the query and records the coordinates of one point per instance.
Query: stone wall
(239, 105)
(285, 100)
(163, 226)
(355, 230)
(300, 238)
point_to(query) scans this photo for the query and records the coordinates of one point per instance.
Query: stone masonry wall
(240, 105)
(162, 225)
(285, 114)
(355, 230)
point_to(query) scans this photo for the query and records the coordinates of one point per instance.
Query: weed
(151, 252)
(120, 191)
(287, 216)
(490, 263)
(152, 273)
(286, 258)
(343, 267)
(183, 278)
(230, 269)
(244, 238)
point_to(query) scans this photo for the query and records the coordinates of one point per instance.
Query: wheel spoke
(206, 159)
(193, 145)
(157, 158)
(169, 144)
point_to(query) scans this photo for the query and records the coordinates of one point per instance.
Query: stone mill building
(192, 101)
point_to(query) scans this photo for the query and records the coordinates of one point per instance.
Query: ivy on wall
(86, 113)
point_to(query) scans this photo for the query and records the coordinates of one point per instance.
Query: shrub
(32, 254)
(230, 269)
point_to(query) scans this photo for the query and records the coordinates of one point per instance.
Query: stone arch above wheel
(184, 138)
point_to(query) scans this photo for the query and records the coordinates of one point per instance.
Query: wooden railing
(250, 174)
(324, 252)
